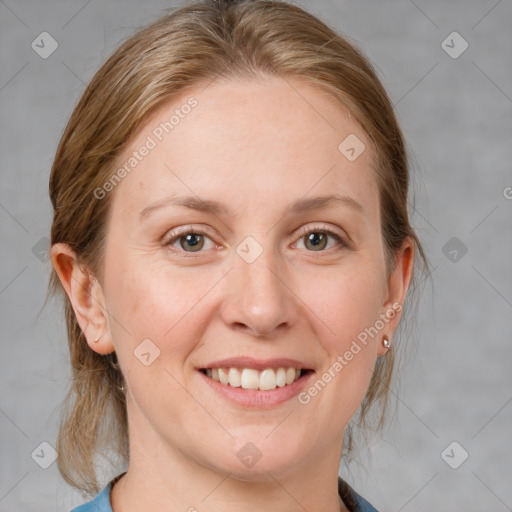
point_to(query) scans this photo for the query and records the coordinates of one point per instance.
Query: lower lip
(255, 398)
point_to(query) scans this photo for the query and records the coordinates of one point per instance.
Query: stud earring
(97, 338)
(386, 342)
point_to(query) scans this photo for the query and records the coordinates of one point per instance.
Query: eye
(317, 239)
(189, 240)
(314, 239)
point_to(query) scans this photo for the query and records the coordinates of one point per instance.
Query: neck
(130, 494)
(184, 485)
(169, 477)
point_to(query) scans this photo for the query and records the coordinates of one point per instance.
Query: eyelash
(318, 228)
(306, 230)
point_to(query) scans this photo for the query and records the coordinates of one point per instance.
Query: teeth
(234, 378)
(249, 378)
(223, 376)
(281, 377)
(268, 380)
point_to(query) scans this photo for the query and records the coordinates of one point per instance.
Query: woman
(232, 236)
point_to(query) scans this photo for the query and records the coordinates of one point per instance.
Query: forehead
(247, 143)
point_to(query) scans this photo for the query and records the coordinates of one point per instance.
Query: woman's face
(245, 233)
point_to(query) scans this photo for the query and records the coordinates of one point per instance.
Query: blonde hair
(190, 46)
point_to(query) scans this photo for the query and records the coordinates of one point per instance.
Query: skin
(256, 147)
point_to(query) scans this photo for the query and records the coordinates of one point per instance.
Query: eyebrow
(300, 206)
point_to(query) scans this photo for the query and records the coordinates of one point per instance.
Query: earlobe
(397, 286)
(86, 296)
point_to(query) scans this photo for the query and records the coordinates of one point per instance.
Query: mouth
(266, 379)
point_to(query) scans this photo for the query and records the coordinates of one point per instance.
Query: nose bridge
(259, 299)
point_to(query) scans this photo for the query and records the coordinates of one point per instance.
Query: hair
(189, 46)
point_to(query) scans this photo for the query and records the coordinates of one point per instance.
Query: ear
(86, 296)
(397, 286)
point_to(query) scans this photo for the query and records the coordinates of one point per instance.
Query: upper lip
(257, 364)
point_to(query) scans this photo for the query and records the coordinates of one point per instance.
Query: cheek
(170, 308)
(346, 303)
(346, 308)
(149, 300)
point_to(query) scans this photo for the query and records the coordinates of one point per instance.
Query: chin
(253, 462)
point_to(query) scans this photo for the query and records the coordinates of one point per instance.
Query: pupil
(317, 240)
(193, 241)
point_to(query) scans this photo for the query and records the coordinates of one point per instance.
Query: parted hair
(189, 46)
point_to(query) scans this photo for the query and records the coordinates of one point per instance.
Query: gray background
(456, 382)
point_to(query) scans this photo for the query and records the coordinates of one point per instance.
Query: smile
(250, 378)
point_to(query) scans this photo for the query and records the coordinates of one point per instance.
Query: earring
(97, 338)
(386, 342)
(115, 365)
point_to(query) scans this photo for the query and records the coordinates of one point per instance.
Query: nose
(258, 300)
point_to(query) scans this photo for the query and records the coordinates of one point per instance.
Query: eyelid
(172, 236)
(323, 228)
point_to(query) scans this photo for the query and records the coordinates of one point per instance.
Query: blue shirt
(352, 500)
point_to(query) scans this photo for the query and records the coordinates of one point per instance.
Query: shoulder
(353, 501)
(101, 503)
